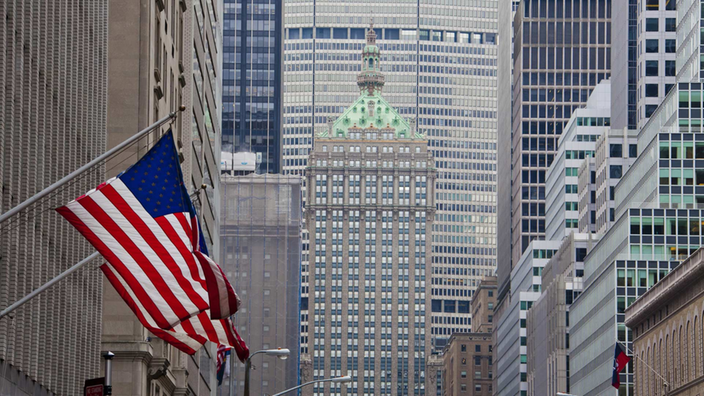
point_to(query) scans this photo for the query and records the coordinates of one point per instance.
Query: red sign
(94, 387)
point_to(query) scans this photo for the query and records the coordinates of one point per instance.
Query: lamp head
(281, 353)
(342, 380)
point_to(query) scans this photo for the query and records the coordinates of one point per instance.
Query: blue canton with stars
(156, 180)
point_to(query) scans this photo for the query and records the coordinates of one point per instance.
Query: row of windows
(344, 33)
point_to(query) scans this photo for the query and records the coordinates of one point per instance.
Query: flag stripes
(144, 225)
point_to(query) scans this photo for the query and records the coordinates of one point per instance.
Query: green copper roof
(370, 110)
(381, 115)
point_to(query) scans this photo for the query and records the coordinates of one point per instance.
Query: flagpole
(667, 386)
(47, 285)
(87, 166)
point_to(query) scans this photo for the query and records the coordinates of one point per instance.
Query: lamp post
(338, 380)
(281, 353)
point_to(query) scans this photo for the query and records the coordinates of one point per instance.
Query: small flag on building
(222, 358)
(144, 225)
(620, 362)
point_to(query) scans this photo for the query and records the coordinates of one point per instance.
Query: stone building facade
(468, 365)
(468, 357)
(666, 323)
(163, 54)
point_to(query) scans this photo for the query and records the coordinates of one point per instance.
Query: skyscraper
(252, 85)
(53, 67)
(369, 213)
(644, 52)
(441, 61)
(562, 49)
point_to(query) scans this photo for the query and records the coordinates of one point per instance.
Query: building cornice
(687, 273)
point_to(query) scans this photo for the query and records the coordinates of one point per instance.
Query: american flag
(223, 353)
(144, 225)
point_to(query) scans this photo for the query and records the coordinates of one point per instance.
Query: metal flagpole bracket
(36, 197)
(48, 284)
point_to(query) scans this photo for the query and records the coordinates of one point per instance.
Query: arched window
(666, 358)
(371, 63)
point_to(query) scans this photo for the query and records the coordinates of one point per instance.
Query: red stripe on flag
(108, 254)
(223, 300)
(162, 287)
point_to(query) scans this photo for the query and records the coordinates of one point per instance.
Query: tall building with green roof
(439, 60)
(369, 212)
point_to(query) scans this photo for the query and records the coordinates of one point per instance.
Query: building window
(477, 348)
(651, 24)
(651, 90)
(651, 46)
(670, 68)
(477, 361)
(670, 46)
(463, 374)
(463, 387)
(477, 375)
(651, 68)
(671, 24)
(463, 348)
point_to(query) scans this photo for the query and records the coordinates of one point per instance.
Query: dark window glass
(651, 46)
(463, 306)
(652, 5)
(616, 151)
(651, 24)
(632, 150)
(670, 69)
(294, 34)
(322, 33)
(391, 34)
(671, 24)
(339, 33)
(308, 33)
(436, 305)
(615, 171)
(449, 306)
(649, 110)
(670, 5)
(651, 68)
(357, 33)
(651, 90)
(671, 46)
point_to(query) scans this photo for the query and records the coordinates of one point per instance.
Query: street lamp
(338, 380)
(281, 353)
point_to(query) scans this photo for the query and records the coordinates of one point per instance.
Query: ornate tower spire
(370, 78)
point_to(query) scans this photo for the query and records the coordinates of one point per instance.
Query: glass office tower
(252, 90)
(562, 50)
(439, 58)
